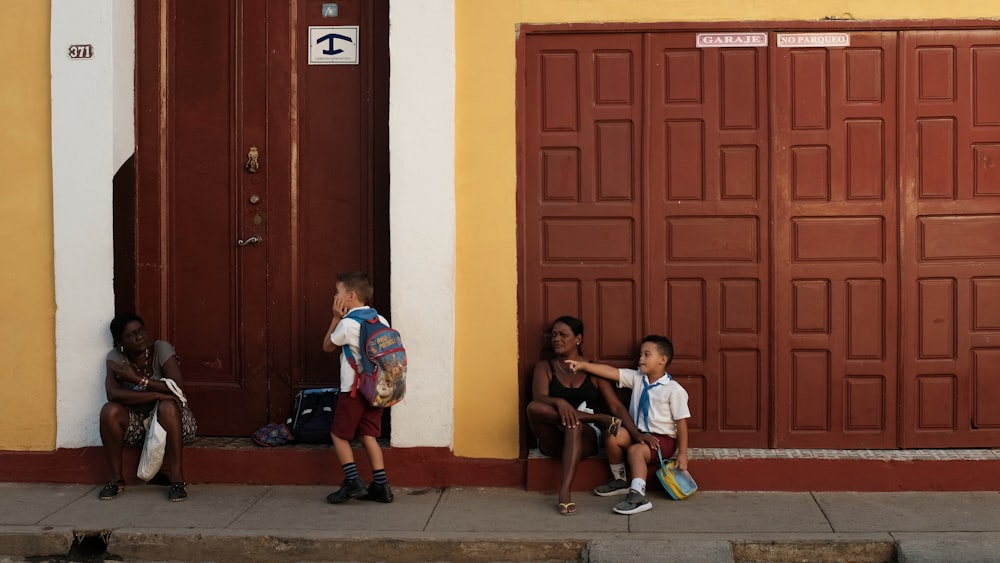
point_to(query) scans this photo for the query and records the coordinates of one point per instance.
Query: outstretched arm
(600, 370)
(617, 408)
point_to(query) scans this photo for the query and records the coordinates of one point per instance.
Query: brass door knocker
(252, 160)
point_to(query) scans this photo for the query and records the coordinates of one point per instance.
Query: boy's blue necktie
(643, 406)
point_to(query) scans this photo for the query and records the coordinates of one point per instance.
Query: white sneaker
(634, 503)
(612, 488)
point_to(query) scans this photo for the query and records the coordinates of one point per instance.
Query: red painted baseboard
(407, 467)
(783, 474)
(438, 467)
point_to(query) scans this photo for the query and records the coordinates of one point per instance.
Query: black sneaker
(350, 488)
(634, 503)
(612, 488)
(177, 492)
(111, 490)
(379, 493)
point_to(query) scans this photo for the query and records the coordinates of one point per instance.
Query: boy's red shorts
(668, 445)
(354, 416)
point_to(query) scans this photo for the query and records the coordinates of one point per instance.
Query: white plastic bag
(152, 449)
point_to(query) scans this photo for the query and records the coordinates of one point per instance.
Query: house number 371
(81, 51)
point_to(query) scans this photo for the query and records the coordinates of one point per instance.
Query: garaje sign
(814, 40)
(731, 40)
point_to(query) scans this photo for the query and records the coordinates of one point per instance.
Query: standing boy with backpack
(354, 414)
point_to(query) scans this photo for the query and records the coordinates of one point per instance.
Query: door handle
(253, 239)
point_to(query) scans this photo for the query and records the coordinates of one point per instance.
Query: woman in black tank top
(556, 413)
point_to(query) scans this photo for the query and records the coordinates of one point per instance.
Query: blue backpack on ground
(381, 369)
(312, 415)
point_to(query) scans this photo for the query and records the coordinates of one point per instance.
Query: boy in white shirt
(660, 411)
(353, 415)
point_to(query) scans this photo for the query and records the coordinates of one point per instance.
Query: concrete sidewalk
(294, 523)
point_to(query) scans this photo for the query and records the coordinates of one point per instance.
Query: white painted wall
(123, 79)
(422, 215)
(84, 159)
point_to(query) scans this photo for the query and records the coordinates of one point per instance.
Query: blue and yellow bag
(678, 483)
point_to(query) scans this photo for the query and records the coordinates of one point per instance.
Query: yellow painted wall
(27, 289)
(486, 393)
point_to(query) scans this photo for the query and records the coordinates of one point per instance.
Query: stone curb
(816, 551)
(268, 548)
(36, 540)
(239, 545)
(689, 551)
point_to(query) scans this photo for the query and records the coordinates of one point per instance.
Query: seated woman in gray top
(133, 382)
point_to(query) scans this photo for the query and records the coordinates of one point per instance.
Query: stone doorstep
(732, 469)
(966, 454)
(969, 454)
(240, 461)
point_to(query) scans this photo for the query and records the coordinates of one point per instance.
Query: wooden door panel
(332, 225)
(835, 259)
(580, 245)
(706, 228)
(209, 298)
(951, 243)
(328, 197)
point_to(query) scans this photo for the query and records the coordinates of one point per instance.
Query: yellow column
(27, 289)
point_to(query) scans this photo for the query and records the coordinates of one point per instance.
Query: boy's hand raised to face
(339, 308)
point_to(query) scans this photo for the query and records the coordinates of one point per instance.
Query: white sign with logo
(333, 44)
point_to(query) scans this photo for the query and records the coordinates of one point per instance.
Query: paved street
(293, 523)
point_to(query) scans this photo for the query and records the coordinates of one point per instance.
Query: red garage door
(950, 238)
(705, 224)
(835, 282)
(823, 286)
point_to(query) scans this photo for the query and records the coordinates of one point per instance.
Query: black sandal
(111, 490)
(178, 492)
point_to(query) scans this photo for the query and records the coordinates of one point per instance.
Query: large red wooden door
(825, 285)
(705, 223)
(257, 184)
(835, 267)
(950, 249)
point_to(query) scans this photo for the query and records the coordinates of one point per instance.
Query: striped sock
(350, 471)
(378, 476)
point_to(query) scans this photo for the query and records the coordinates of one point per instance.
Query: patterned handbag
(272, 435)
(678, 483)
